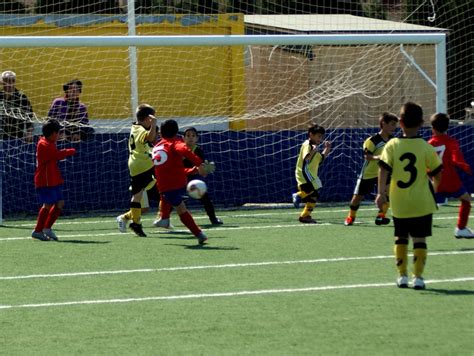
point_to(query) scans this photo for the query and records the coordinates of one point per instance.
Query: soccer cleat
(50, 233)
(202, 238)
(465, 233)
(216, 221)
(402, 282)
(137, 229)
(307, 220)
(122, 224)
(38, 235)
(418, 283)
(349, 221)
(296, 199)
(164, 223)
(380, 220)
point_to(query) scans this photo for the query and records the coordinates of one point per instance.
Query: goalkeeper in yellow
(306, 172)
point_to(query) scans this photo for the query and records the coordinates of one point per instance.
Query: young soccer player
(140, 165)
(191, 138)
(411, 161)
(48, 180)
(451, 186)
(168, 155)
(367, 180)
(306, 172)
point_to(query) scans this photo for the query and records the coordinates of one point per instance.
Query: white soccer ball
(196, 188)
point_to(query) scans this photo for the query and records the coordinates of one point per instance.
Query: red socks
(53, 215)
(165, 209)
(464, 211)
(188, 221)
(42, 216)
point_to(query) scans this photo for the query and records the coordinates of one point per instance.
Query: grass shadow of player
(450, 292)
(206, 247)
(84, 242)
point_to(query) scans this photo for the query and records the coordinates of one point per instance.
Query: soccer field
(263, 285)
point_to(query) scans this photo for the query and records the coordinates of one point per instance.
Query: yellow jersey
(139, 160)
(307, 172)
(373, 145)
(411, 161)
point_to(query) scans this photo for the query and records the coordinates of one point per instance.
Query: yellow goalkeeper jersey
(411, 162)
(139, 160)
(307, 172)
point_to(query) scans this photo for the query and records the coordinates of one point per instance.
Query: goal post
(345, 83)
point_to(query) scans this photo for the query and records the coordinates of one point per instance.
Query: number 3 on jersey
(410, 168)
(159, 155)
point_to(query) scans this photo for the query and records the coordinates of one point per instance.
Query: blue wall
(253, 167)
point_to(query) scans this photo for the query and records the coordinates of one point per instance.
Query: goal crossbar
(220, 40)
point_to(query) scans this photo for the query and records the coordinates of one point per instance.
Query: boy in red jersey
(48, 180)
(171, 175)
(451, 186)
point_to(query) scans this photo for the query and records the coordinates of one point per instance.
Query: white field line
(161, 231)
(224, 294)
(231, 265)
(198, 217)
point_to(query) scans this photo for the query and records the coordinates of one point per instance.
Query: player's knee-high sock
(127, 215)
(208, 206)
(188, 221)
(384, 210)
(136, 212)
(353, 211)
(401, 256)
(464, 211)
(308, 209)
(165, 208)
(420, 252)
(42, 217)
(53, 215)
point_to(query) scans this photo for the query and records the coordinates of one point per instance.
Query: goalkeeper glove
(209, 167)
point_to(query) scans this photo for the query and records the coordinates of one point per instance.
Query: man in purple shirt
(71, 112)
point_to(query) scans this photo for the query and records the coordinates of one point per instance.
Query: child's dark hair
(77, 82)
(143, 111)
(191, 129)
(411, 114)
(315, 128)
(169, 128)
(440, 122)
(51, 126)
(387, 117)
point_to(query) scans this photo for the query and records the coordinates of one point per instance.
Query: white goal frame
(132, 41)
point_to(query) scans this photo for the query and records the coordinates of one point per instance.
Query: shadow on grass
(85, 242)
(206, 247)
(453, 292)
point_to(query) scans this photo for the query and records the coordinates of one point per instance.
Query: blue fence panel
(253, 167)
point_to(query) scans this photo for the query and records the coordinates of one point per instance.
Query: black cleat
(137, 229)
(216, 221)
(381, 221)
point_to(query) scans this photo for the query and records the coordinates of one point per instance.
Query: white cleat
(163, 223)
(122, 224)
(465, 233)
(418, 283)
(402, 282)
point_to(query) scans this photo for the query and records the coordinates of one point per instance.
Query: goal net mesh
(251, 104)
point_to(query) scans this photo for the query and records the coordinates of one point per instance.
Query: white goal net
(250, 101)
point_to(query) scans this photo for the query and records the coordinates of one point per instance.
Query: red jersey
(47, 173)
(448, 150)
(167, 157)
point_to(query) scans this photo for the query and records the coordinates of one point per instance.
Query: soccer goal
(249, 83)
